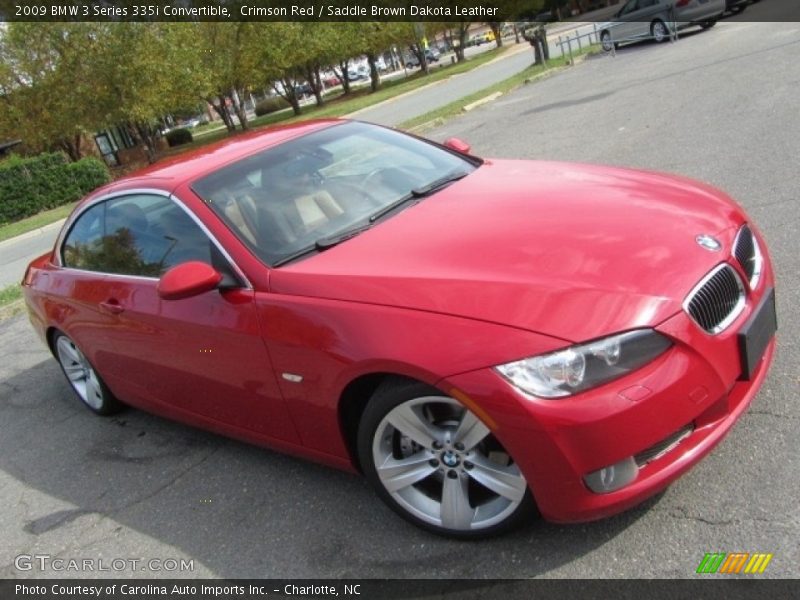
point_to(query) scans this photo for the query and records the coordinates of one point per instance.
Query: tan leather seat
(317, 208)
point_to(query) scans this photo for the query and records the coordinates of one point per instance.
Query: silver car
(657, 19)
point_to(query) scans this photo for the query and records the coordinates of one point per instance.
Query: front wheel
(659, 31)
(83, 378)
(434, 462)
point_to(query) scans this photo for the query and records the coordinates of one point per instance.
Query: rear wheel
(437, 465)
(605, 40)
(85, 381)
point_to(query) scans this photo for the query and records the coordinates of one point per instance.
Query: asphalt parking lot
(720, 106)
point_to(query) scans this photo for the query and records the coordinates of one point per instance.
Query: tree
(282, 58)
(145, 74)
(459, 39)
(46, 86)
(229, 59)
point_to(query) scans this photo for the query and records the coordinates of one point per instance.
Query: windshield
(316, 188)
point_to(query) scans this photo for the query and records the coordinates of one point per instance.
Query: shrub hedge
(271, 105)
(31, 185)
(176, 137)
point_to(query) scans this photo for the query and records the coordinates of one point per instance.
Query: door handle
(113, 306)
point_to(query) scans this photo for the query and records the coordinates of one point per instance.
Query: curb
(33, 233)
(482, 101)
(495, 95)
(426, 125)
(507, 54)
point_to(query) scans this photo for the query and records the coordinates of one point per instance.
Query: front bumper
(556, 443)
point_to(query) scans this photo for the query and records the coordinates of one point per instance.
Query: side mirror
(458, 145)
(188, 279)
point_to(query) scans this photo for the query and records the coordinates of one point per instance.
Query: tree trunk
(72, 146)
(374, 76)
(419, 52)
(344, 68)
(541, 34)
(222, 111)
(516, 34)
(312, 76)
(238, 106)
(498, 39)
(147, 136)
(289, 95)
(463, 29)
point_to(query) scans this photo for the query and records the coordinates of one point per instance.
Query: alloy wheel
(80, 373)
(659, 32)
(442, 465)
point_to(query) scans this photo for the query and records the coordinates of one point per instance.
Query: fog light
(610, 479)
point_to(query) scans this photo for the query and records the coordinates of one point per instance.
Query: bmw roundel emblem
(708, 242)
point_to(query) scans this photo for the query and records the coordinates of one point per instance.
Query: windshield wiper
(419, 192)
(438, 184)
(332, 240)
(322, 244)
(295, 255)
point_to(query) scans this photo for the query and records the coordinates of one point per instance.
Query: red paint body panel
(515, 260)
(534, 245)
(333, 342)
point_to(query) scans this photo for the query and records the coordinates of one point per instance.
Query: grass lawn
(10, 293)
(9, 230)
(10, 301)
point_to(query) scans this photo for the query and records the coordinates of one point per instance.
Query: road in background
(720, 106)
(402, 108)
(16, 253)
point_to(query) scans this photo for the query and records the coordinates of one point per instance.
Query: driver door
(202, 356)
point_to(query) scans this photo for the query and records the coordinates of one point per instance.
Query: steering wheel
(369, 178)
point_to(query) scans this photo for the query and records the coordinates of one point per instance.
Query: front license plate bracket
(756, 334)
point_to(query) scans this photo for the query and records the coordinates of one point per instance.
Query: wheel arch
(353, 401)
(50, 336)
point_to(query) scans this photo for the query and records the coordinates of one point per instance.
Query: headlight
(585, 366)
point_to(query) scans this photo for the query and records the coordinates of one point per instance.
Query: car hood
(567, 250)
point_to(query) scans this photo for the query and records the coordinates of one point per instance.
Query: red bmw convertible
(481, 338)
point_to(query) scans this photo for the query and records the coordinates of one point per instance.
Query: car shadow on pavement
(135, 485)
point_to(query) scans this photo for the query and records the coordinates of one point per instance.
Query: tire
(82, 377)
(605, 41)
(659, 31)
(452, 461)
(708, 24)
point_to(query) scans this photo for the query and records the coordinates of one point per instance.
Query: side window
(140, 235)
(82, 246)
